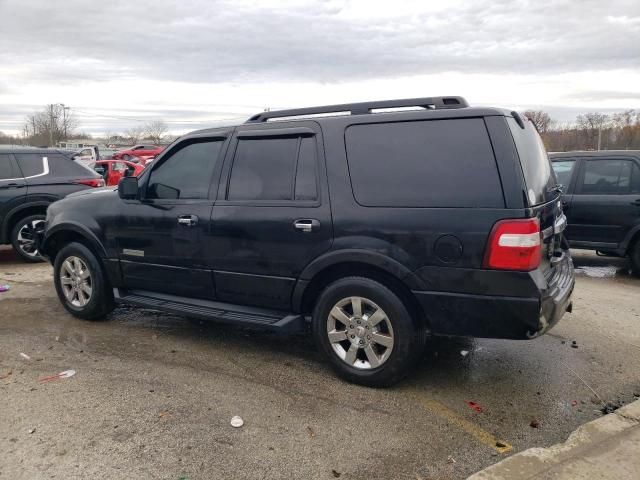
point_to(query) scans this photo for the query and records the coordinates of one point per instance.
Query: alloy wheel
(360, 333)
(76, 281)
(27, 238)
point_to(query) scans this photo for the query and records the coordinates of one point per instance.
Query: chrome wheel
(76, 282)
(27, 238)
(360, 333)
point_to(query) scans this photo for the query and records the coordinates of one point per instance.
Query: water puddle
(597, 272)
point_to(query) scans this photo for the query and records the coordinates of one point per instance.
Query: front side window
(606, 177)
(281, 168)
(563, 170)
(186, 172)
(6, 169)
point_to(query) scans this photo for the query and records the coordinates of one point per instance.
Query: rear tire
(81, 284)
(375, 344)
(23, 238)
(634, 255)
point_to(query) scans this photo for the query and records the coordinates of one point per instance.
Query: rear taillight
(514, 245)
(91, 182)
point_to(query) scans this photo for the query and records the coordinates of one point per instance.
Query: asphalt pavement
(154, 394)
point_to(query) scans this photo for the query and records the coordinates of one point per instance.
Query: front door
(12, 190)
(161, 238)
(606, 202)
(272, 216)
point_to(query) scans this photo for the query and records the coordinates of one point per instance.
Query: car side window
(606, 177)
(563, 170)
(268, 169)
(32, 164)
(306, 172)
(635, 178)
(186, 172)
(6, 168)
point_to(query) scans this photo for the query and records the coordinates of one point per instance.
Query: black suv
(30, 180)
(378, 226)
(602, 201)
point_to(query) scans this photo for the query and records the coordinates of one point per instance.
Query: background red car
(137, 151)
(113, 170)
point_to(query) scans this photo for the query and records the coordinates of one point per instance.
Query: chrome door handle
(306, 225)
(188, 220)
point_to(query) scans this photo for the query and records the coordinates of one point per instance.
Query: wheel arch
(60, 235)
(16, 214)
(632, 238)
(388, 272)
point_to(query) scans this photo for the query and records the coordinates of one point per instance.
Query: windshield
(536, 167)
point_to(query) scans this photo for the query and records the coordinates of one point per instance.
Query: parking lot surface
(153, 394)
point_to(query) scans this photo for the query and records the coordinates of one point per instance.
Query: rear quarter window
(32, 164)
(433, 163)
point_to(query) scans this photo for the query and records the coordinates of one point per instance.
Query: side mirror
(127, 172)
(128, 188)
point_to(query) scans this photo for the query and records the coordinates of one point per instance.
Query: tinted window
(534, 161)
(606, 177)
(263, 169)
(563, 170)
(306, 185)
(635, 179)
(31, 164)
(6, 169)
(186, 173)
(62, 166)
(437, 163)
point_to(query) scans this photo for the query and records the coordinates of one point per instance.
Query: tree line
(590, 131)
(57, 123)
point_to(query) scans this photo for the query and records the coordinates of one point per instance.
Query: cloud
(241, 41)
(195, 62)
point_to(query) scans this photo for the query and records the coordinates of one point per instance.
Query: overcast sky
(197, 63)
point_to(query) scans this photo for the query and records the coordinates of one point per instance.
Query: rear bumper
(496, 316)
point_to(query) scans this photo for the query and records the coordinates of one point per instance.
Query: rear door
(606, 201)
(272, 216)
(12, 189)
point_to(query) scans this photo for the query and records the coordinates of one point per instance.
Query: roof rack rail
(430, 103)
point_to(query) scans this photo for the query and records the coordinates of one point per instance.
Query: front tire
(366, 332)
(81, 284)
(23, 238)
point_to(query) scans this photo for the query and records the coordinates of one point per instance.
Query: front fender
(75, 227)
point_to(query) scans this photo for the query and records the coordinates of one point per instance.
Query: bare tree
(540, 119)
(134, 134)
(626, 128)
(49, 126)
(592, 125)
(156, 130)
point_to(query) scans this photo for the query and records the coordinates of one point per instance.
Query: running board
(209, 310)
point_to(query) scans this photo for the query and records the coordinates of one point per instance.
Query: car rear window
(536, 166)
(434, 163)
